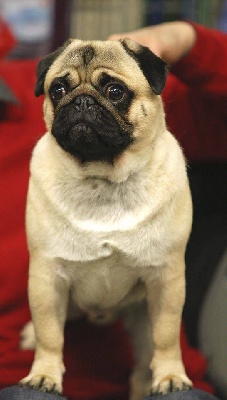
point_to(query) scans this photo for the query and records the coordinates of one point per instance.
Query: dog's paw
(170, 383)
(41, 382)
(27, 337)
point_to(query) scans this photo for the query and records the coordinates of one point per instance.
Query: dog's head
(100, 97)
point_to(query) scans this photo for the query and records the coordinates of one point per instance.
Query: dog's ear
(154, 68)
(44, 66)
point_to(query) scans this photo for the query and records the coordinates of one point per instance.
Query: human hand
(170, 40)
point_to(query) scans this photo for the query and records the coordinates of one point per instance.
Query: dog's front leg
(136, 322)
(166, 296)
(48, 297)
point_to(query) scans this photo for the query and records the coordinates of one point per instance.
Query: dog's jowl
(108, 211)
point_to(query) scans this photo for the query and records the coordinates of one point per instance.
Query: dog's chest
(90, 226)
(99, 245)
(90, 219)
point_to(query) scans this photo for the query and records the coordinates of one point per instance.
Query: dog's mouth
(90, 135)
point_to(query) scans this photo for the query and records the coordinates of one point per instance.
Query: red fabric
(7, 40)
(196, 96)
(98, 360)
(195, 364)
(22, 125)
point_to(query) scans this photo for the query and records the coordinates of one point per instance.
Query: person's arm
(170, 40)
(204, 67)
(198, 55)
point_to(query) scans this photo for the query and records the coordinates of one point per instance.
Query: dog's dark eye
(58, 91)
(115, 92)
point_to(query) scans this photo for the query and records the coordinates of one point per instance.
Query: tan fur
(114, 234)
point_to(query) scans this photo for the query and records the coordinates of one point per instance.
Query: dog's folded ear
(154, 68)
(44, 66)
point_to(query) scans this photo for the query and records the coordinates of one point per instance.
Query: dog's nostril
(89, 101)
(78, 100)
(84, 101)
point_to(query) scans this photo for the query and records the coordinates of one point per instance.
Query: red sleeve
(204, 68)
(195, 97)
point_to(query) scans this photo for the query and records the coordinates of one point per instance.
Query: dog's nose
(84, 102)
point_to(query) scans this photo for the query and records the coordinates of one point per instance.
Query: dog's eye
(115, 92)
(58, 91)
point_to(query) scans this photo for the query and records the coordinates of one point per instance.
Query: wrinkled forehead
(92, 55)
(89, 53)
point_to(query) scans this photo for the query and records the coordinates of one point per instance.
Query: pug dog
(108, 211)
